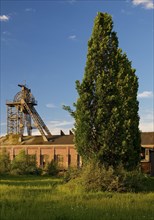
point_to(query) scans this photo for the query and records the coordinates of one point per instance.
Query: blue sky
(44, 43)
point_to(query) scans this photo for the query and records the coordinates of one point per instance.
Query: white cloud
(72, 37)
(2, 129)
(146, 126)
(3, 123)
(56, 131)
(123, 11)
(145, 94)
(55, 127)
(50, 105)
(4, 17)
(147, 4)
(30, 10)
(72, 1)
(146, 120)
(146, 123)
(6, 33)
(54, 124)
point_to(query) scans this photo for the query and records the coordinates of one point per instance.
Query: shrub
(51, 168)
(135, 181)
(24, 164)
(71, 173)
(5, 162)
(95, 177)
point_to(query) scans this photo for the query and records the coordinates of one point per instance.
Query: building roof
(147, 138)
(54, 140)
(37, 140)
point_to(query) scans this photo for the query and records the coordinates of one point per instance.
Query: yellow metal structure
(21, 112)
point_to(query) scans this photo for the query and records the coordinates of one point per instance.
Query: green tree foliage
(106, 112)
(95, 177)
(51, 168)
(24, 164)
(5, 162)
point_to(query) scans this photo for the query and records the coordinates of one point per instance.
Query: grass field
(43, 198)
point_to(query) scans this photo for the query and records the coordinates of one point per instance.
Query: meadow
(44, 198)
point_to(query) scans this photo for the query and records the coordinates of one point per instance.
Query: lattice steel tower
(21, 112)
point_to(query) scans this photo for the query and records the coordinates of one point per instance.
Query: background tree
(5, 162)
(24, 164)
(106, 112)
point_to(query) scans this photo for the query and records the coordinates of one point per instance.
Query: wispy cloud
(30, 10)
(50, 105)
(6, 33)
(4, 18)
(72, 37)
(146, 120)
(3, 124)
(54, 124)
(6, 37)
(145, 94)
(2, 129)
(72, 1)
(147, 4)
(123, 11)
(146, 126)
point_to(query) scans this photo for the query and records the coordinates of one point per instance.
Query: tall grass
(43, 198)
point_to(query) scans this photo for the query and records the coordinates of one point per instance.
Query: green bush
(71, 173)
(5, 162)
(51, 168)
(24, 164)
(95, 177)
(135, 181)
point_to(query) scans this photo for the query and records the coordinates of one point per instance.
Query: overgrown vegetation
(95, 177)
(24, 164)
(35, 197)
(92, 177)
(51, 168)
(5, 162)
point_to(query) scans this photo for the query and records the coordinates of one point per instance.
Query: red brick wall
(61, 155)
(48, 152)
(73, 157)
(67, 154)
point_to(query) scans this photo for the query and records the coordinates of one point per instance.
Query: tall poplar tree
(106, 112)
